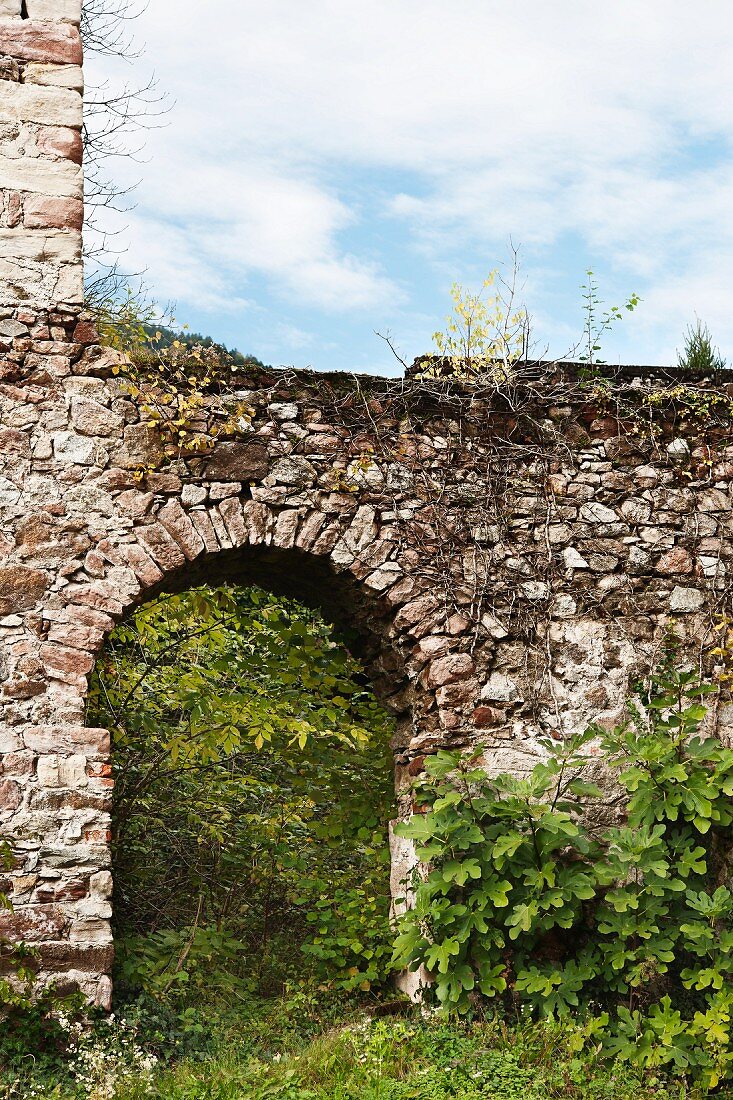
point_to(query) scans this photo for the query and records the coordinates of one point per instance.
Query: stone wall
(41, 186)
(509, 558)
(508, 562)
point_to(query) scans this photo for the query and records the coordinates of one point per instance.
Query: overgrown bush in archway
(253, 788)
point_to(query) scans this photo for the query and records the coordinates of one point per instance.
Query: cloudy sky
(329, 168)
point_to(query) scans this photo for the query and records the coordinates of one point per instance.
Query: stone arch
(339, 561)
(287, 571)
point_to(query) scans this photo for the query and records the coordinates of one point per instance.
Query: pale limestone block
(44, 283)
(48, 771)
(405, 867)
(26, 282)
(10, 9)
(90, 931)
(100, 884)
(55, 11)
(21, 283)
(102, 997)
(54, 76)
(69, 285)
(76, 450)
(95, 907)
(72, 771)
(60, 179)
(40, 245)
(34, 103)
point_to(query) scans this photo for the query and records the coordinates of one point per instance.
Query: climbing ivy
(528, 902)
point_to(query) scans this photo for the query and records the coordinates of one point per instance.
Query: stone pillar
(41, 182)
(54, 777)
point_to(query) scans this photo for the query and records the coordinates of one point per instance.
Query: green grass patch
(309, 1046)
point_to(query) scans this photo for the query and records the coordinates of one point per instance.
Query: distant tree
(162, 337)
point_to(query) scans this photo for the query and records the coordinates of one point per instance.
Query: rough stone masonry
(510, 556)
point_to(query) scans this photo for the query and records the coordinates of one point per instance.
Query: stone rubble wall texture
(510, 561)
(41, 179)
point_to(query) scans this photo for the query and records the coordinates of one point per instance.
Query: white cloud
(202, 227)
(464, 122)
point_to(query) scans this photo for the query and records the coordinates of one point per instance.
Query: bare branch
(115, 119)
(388, 341)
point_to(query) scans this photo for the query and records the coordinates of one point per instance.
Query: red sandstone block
(99, 594)
(11, 795)
(17, 763)
(675, 561)
(28, 41)
(89, 616)
(231, 512)
(164, 550)
(179, 526)
(484, 717)
(99, 771)
(205, 528)
(14, 209)
(459, 695)
(85, 332)
(98, 836)
(76, 637)
(24, 689)
(447, 670)
(60, 142)
(134, 557)
(33, 923)
(102, 775)
(42, 212)
(73, 890)
(61, 659)
(76, 956)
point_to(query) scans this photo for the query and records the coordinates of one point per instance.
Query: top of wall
(42, 11)
(41, 181)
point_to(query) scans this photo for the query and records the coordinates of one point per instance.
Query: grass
(313, 1047)
(396, 1057)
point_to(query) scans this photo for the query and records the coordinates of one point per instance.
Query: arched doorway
(253, 789)
(289, 582)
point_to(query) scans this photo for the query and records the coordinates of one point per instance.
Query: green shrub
(526, 902)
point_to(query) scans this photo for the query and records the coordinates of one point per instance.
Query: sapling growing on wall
(598, 322)
(487, 332)
(699, 353)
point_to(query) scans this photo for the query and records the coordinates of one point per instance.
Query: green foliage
(70, 1053)
(309, 1046)
(184, 384)
(188, 393)
(122, 316)
(253, 790)
(699, 353)
(527, 903)
(6, 864)
(130, 322)
(598, 323)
